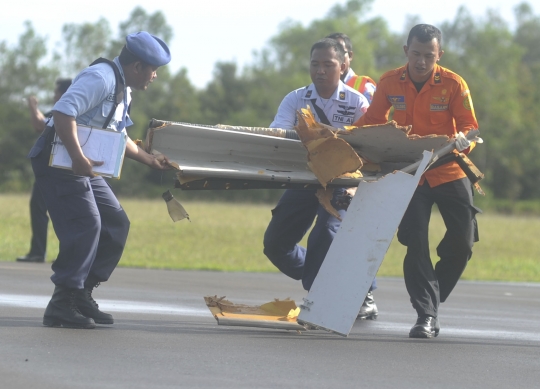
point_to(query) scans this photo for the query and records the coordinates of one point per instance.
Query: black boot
(368, 310)
(425, 327)
(62, 311)
(31, 258)
(89, 308)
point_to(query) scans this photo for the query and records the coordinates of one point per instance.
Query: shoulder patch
(467, 103)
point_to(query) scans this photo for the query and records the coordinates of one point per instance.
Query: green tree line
(500, 64)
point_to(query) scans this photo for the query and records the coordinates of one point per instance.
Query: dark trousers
(428, 286)
(39, 222)
(291, 220)
(90, 224)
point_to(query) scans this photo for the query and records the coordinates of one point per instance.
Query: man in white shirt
(338, 105)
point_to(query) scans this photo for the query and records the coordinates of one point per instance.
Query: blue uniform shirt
(343, 108)
(90, 98)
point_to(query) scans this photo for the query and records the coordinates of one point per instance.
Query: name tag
(342, 119)
(438, 107)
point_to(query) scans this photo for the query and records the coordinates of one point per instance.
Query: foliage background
(501, 66)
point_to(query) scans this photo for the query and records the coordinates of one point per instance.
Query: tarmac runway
(165, 337)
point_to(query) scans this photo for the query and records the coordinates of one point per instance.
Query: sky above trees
(228, 30)
(501, 66)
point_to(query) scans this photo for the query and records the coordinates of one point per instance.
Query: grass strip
(228, 237)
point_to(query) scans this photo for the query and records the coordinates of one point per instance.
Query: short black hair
(425, 33)
(62, 84)
(328, 43)
(126, 57)
(339, 35)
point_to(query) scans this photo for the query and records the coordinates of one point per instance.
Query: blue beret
(148, 48)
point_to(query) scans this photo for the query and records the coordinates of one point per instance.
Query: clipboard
(97, 144)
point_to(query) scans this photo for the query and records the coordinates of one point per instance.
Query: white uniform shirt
(370, 88)
(343, 108)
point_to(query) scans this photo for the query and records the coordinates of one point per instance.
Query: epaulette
(447, 73)
(400, 72)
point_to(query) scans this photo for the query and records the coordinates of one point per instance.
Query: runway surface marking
(485, 333)
(40, 302)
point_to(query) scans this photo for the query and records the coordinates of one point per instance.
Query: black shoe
(62, 311)
(425, 327)
(31, 258)
(368, 310)
(89, 308)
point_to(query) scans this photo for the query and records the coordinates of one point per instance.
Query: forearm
(66, 129)
(463, 112)
(465, 127)
(36, 116)
(137, 154)
(38, 120)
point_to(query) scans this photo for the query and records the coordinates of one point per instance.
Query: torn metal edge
(311, 326)
(273, 324)
(220, 308)
(154, 125)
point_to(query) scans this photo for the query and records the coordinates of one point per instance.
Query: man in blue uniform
(90, 223)
(332, 103)
(38, 210)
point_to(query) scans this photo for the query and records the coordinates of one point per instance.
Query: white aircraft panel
(358, 250)
(212, 152)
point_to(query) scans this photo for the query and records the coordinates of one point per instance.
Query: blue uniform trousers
(291, 219)
(90, 224)
(428, 286)
(40, 222)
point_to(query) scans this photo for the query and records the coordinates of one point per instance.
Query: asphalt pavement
(165, 337)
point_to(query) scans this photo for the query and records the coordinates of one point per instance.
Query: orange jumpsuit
(443, 107)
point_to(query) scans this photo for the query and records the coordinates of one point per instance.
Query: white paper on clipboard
(97, 144)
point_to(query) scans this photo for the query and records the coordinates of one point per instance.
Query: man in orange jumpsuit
(434, 100)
